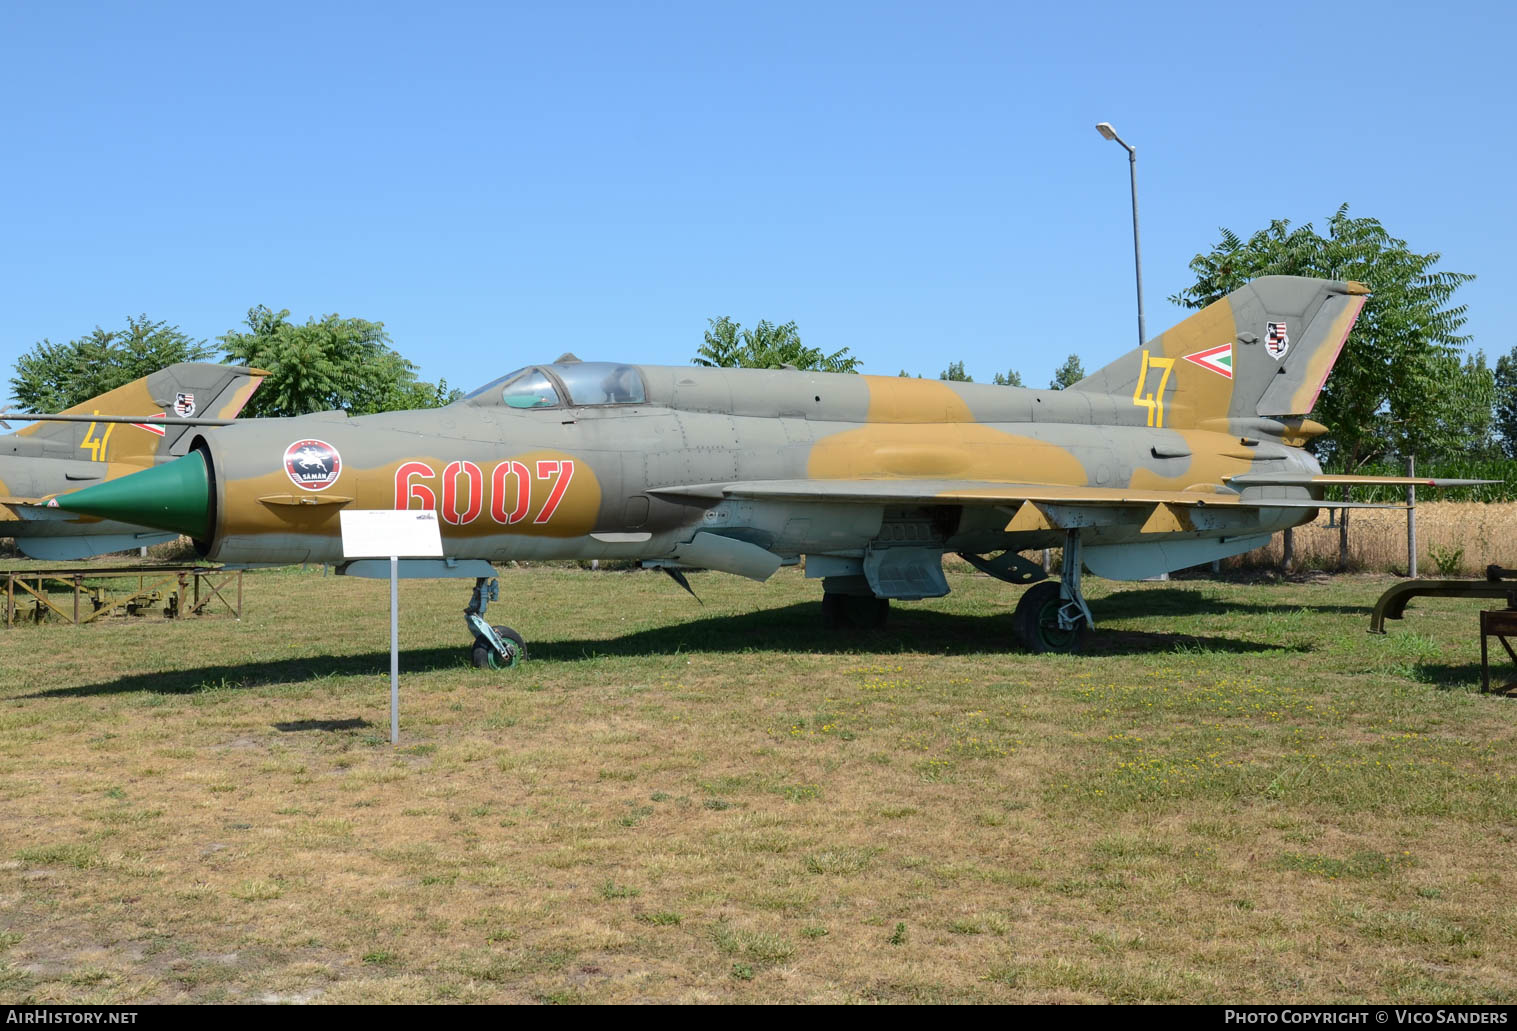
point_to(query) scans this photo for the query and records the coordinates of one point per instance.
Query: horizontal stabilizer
(1335, 480)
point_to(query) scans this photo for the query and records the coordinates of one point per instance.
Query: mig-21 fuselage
(1183, 451)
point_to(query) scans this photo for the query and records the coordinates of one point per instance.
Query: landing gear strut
(495, 647)
(1053, 617)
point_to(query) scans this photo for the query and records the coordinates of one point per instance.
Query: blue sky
(499, 183)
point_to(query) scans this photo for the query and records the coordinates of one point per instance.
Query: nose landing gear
(495, 647)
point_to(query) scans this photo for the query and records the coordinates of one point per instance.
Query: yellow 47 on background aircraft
(1185, 450)
(122, 431)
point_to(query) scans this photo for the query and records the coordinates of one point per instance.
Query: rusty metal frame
(1498, 583)
(152, 583)
(1497, 623)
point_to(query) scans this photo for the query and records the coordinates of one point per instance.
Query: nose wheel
(486, 655)
(495, 647)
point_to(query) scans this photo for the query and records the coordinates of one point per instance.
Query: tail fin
(162, 399)
(1263, 350)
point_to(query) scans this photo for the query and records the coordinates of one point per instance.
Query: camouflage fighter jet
(1185, 450)
(122, 431)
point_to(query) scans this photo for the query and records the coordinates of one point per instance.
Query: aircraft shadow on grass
(795, 627)
(1137, 604)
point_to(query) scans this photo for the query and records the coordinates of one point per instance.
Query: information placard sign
(387, 533)
(391, 534)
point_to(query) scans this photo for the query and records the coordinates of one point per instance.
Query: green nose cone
(175, 496)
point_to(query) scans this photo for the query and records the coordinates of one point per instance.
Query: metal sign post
(383, 533)
(394, 649)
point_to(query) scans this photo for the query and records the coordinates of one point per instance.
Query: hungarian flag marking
(1217, 359)
(149, 426)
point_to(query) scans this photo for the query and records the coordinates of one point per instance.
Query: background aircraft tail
(164, 398)
(1263, 350)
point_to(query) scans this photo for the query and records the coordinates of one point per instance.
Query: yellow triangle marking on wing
(1167, 519)
(1028, 517)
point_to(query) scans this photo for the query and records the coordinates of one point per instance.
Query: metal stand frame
(183, 591)
(1500, 624)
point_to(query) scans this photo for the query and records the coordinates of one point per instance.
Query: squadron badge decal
(312, 464)
(184, 405)
(1276, 340)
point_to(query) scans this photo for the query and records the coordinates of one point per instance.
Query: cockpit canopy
(564, 384)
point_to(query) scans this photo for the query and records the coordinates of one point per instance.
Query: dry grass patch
(1237, 794)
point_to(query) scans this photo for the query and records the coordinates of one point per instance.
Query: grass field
(1236, 794)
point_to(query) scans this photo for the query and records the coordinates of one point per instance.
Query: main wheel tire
(1037, 621)
(484, 655)
(832, 611)
(854, 611)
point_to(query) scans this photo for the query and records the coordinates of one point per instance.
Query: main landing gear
(1053, 617)
(853, 611)
(849, 603)
(495, 647)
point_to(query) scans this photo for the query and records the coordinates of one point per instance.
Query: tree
(1013, 378)
(328, 364)
(1396, 388)
(52, 377)
(1506, 401)
(1068, 374)
(955, 373)
(766, 346)
(1465, 420)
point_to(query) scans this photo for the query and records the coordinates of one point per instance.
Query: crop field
(1454, 538)
(1236, 794)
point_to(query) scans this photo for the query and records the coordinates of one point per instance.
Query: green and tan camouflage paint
(1140, 455)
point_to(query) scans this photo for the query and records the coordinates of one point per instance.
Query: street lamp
(1107, 131)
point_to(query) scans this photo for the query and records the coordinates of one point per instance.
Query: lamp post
(1106, 130)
